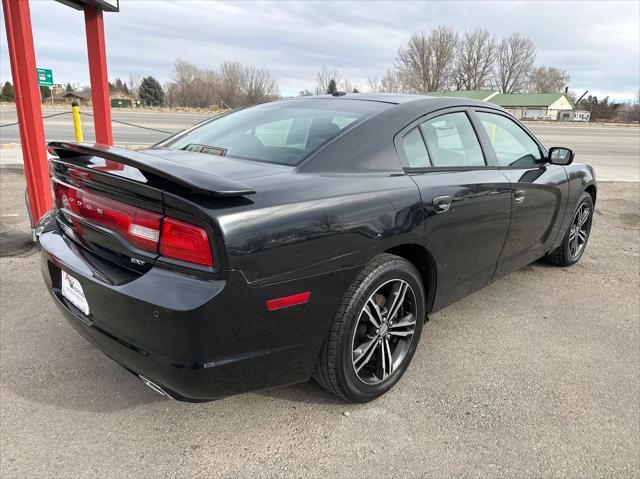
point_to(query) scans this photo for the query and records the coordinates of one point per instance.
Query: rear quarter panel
(300, 224)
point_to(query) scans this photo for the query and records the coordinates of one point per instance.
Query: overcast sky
(597, 42)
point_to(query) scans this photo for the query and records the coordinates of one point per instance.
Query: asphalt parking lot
(537, 374)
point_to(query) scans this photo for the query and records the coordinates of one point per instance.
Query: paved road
(615, 151)
(536, 375)
(61, 127)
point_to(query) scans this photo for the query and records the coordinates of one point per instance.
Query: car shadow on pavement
(309, 393)
(67, 372)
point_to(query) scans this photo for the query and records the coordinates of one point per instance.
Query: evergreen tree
(45, 92)
(151, 92)
(69, 88)
(7, 92)
(332, 88)
(121, 86)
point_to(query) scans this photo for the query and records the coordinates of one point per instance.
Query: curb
(12, 166)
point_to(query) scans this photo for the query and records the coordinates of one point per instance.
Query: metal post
(29, 108)
(97, 53)
(77, 122)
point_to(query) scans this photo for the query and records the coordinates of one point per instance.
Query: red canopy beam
(27, 93)
(97, 53)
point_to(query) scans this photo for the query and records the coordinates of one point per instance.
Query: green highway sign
(45, 77)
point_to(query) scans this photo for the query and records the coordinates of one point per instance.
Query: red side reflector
(288, 301)
(186, 242)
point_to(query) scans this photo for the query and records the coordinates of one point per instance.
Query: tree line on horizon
(442, 59)
(439, 59)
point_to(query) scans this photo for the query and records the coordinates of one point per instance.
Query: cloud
(597, 42)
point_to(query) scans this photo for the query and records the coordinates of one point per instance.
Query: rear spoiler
(198, 180)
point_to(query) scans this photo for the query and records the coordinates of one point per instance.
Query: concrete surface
(536, 375)
(613, 151)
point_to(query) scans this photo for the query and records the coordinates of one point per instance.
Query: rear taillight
(146, 230)
(185, 242)
(140, 228)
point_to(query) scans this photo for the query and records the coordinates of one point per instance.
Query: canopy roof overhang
(104, 5)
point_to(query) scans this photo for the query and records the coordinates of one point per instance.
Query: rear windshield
(284, 132)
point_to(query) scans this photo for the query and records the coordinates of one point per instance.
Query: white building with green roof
(524, 106)
(535, 106)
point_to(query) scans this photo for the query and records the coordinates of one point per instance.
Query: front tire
(575, 241)
(375, 331)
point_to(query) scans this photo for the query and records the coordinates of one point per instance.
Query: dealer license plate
(72, 290)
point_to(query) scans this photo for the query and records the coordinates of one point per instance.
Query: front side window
(512, 145)
(284, 132)
(452, 141)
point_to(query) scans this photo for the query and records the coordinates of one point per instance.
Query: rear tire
(375, 331)
(575, 240)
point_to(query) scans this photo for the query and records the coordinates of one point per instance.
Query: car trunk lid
(120, 204)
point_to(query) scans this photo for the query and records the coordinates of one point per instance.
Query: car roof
(370, 145)
(395, 98)
(405, 101)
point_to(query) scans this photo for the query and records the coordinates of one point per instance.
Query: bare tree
(232, 86)
(345, 86)
(134, 83)
(171, 94)
(324, 77)
(548, 80)
(475, 60)
(393, 82)
(230, 79)
(257, 85)
(189, 85)
(373, 84)
(427, 61)
(516, 57)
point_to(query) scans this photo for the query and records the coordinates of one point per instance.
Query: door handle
(442, 203)
(519, 196)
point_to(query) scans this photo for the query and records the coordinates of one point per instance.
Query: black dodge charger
(301, 238)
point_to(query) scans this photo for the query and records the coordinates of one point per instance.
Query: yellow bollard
(77, 123)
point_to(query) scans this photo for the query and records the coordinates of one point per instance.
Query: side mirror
(561, 156)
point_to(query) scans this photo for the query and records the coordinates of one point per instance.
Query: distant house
(482, 95)
(120, 99)
(535, 106)
(68, 97)
(575, 115)
(525, 106)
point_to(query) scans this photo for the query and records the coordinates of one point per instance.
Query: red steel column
(17, 19)
(98, 73)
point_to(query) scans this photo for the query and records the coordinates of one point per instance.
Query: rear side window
(283, 132)
(513, 147)
(452, 141)
(415, 150)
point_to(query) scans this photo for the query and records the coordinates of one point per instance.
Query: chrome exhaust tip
(153, 386)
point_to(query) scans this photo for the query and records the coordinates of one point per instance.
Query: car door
(466, 201)
(539, 189)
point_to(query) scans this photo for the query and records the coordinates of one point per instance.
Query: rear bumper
(198, 339)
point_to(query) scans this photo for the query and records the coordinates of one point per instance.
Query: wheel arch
(422, 259)
(591, 189)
